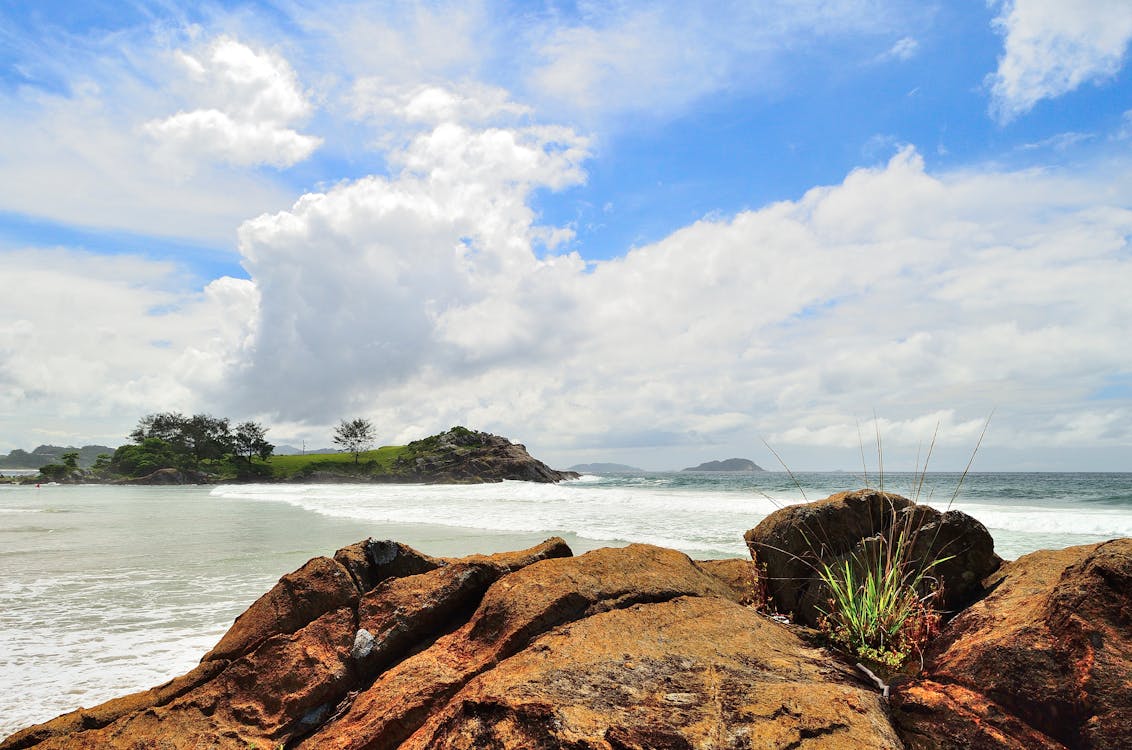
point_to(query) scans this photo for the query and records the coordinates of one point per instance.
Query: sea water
(109, 590)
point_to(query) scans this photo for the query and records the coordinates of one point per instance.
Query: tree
(355, 436)
(194, 439)
(249, 441)
(149, 455)
(54, 472)
(70, 459)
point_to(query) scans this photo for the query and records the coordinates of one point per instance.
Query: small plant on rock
(881, 606)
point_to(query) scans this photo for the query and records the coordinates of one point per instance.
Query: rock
(1044, 661)
(691, 672)
(741, 576)
(792, 543)
(288, 661)
(322, 585)
(372, 561)
(467, 456)
(621, 648)
(728, 464)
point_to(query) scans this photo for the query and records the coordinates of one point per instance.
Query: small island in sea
(605, 468)
(729, 464)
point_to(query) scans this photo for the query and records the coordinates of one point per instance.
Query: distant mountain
(290, 450)
(605, 469)
(52, 454)
(730, 464)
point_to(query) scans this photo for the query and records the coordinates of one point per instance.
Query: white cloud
(92, 342)
(905, 48)
(659, 58)
(1053, 47)
(79, 155)
(420, 301)
(249, 98)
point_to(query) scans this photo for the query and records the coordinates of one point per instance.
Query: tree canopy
(355, 436)
(172, 440)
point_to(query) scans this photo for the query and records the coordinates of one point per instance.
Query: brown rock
(320, 586)
(371, 561)
(686, 673)
(741, 576)
(516, 609)
(1047, 653)
(792, 544)
(112, 710)
(280, 689)
(290, 659)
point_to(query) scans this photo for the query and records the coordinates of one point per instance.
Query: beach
(107, 590)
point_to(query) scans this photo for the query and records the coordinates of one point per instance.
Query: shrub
(881, 606)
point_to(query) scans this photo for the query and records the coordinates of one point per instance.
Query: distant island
(730, 464)
(600, 468)
(174, 449)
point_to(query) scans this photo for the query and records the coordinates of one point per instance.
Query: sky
(652, 233)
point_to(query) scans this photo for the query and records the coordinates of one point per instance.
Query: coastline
(165, 565)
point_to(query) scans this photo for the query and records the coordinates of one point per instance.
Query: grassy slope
(284, 467)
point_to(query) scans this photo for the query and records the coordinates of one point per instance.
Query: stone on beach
(792, 544)
(619, 648)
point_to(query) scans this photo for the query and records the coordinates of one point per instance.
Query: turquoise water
(108, 590)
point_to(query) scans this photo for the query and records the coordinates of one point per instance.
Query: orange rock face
(382, 647)
(1044, 661)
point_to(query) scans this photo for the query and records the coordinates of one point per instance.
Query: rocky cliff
(381, 646)
(458, 456)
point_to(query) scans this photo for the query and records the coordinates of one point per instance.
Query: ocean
(109, 590)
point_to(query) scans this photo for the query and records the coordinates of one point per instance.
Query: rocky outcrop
(467, 456)
(1044, 661)
(383, 647)
(459, 456)
(791, 544)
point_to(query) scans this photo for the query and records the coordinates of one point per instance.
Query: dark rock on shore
(791, 544)
(382, 647)
(1044, 661)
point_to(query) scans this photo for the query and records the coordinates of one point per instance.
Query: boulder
(637, 647)
(1044, 661)
(322, 585)
(691, 672)
(792, 544)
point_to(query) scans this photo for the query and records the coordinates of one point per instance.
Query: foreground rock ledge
(383, 647)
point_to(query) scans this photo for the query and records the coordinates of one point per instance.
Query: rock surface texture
(383, 647)
(792, 543)
(1044, 661)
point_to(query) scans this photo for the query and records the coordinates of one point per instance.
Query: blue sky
(653, 233)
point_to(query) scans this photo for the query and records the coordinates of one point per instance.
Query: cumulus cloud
(1053, 47)
(434, 267)
(78, 155)
(92, 341)
(421, 300)
(249, 99)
